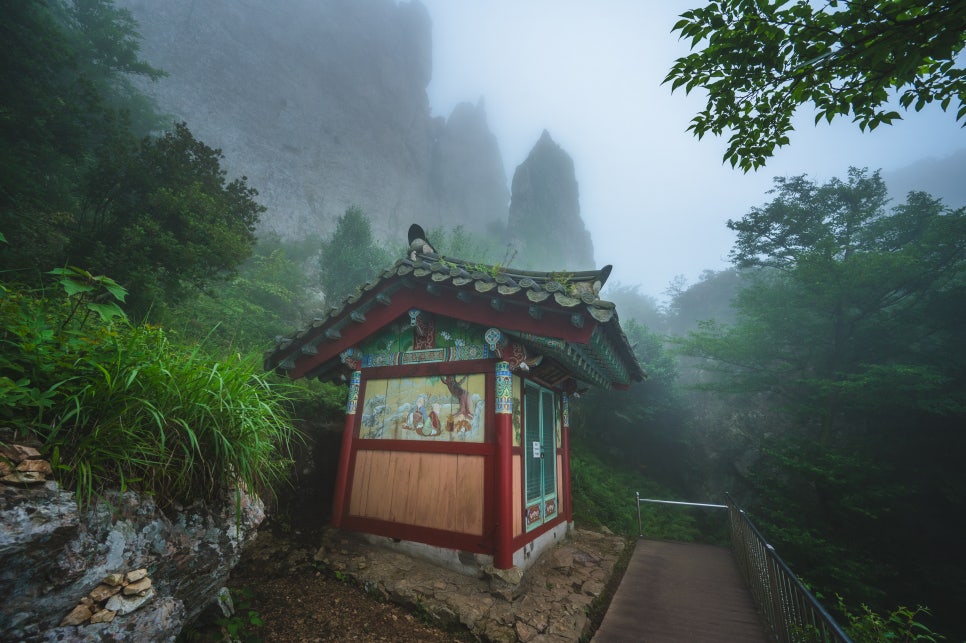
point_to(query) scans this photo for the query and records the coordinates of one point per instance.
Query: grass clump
(116, 405)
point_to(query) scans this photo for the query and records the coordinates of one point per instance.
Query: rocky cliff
(322, 104)
(545, 211)
(121, 570)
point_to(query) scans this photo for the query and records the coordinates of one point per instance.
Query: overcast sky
(654, 198)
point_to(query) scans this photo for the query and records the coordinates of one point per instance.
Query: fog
(654, 197)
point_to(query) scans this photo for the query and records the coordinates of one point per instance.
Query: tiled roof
(573, 293)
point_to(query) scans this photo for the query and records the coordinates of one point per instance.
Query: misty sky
(654, 198)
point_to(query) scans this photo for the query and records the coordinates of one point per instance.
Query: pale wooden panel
(379, 493)
(468, 505)
(403, 481)
(376, 504)
(442, 491)
(360, 484)
(517, 496)
(391, 489)
(425, 494)
(436, 490)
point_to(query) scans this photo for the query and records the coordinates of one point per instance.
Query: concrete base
(462, 562)
(530, 553)
(470, 564)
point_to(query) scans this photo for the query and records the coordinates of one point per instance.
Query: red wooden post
(342, 476)
(565, 446)
(504, 468)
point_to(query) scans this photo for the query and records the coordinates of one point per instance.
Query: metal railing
(789, 609)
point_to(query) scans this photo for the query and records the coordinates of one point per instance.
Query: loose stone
(103, 616)
(103, 592)
(138, 588)
(135, 575)
(78, 615)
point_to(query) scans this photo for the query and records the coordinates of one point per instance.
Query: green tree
(709, 298)
(162, 218)
(267, 298)
(760, 61)
(350, 257)
(849, 333)
(65, 91)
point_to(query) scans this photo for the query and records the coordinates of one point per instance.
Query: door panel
(540, 455)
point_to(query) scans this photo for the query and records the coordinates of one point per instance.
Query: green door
(540, 455)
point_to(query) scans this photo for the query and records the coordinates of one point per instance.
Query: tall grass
(114, 405)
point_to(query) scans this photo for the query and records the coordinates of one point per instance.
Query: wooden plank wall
(436, 490)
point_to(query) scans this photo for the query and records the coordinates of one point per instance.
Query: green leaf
(107, 311)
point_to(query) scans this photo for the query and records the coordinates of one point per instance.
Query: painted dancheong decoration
(461, 378)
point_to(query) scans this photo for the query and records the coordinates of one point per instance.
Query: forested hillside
(821, 379)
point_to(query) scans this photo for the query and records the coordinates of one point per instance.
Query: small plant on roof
(565, 280)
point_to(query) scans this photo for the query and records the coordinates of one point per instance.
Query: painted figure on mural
(417, 417)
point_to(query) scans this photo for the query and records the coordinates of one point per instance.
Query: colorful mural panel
(442, 408)
(417, 338)
(517, 409)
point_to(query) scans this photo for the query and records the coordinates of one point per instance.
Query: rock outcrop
(60, 566)
(322, 104)
(549, 602)
(545, 211)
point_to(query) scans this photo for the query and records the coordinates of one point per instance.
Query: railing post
(772, 567)
(640, 530)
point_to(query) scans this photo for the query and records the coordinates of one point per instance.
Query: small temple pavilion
(460, 379)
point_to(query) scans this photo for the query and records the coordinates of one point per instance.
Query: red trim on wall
(426, 446)
(503, 558)
(529, 536)
(568, 509)
(437, 537)
(342, 474)
(429, 369)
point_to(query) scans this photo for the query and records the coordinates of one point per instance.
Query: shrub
(116, 405)
(603, 494)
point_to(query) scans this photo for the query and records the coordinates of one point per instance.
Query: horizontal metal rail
(789, 609)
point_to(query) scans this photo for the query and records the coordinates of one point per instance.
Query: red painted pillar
(504, 468)
(342, 475)
(565, 445)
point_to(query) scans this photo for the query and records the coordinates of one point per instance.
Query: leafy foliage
(848, 339)
(901, 624)
(350, 257)
(761, 61)
(66, 92)
(115, 405)
(267, 298)
(82, 183)
(163, 219)
(604, 495)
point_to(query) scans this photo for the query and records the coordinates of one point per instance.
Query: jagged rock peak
(468, 172)
(545, 211)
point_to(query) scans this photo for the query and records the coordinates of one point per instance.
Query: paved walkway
(681, 592)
